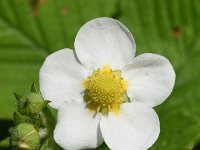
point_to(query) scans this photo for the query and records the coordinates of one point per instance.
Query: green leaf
(171, 28)
(31, 31)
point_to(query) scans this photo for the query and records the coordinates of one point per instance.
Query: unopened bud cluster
(28, 121)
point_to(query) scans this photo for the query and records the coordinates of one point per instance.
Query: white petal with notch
(137, 127)
(104, 41)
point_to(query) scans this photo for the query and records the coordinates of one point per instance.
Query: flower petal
(150, 78)
(104, 41)
(77, 127)
(61, 77)
(136, 127)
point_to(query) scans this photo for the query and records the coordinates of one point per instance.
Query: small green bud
(17, 96)
(35, 103)
(25, 136)
(32, 104)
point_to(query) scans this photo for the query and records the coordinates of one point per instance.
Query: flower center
(105, 90)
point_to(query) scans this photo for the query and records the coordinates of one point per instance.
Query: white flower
(102, 92)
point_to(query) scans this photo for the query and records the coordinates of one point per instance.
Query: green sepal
(46, 102)
(50, 144)
(47, 120)
(18, 118)
(103, 147)
(33, 89)
(126, 98)
(117, 73)
(5, 143)
(25, 136)
(17, 96)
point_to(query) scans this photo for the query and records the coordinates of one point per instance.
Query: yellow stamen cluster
(105, 90)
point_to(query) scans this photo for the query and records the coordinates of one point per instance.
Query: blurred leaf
(30, 30)
(5, 143)
(171, 28)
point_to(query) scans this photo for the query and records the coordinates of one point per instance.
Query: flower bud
(25, 136)
(32, 104)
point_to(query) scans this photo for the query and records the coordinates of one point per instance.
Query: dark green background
(32, 29)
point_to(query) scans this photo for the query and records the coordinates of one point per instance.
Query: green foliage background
(32, 29)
